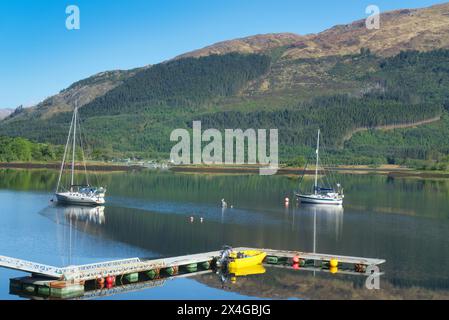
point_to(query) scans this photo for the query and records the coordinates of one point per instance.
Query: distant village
(149, 164)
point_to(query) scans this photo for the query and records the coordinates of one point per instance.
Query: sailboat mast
(73, 149)
(65, 155)
(316, 166)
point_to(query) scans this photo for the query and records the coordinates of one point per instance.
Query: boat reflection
(242, 272)
(328, 217)
(322, 209)
(94, 215)
(63, 214)
(70, 218)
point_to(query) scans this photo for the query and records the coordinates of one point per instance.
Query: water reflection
(70, 218)
(63, 214)
(331, 230)
(405, 221)
(87, 215)
(329, 218)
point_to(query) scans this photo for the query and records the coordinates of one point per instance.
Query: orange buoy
(100, 283)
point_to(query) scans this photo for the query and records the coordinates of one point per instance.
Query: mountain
(5, 112)
(254, 44)
(81, 92)
(346, 80)
(400, 30)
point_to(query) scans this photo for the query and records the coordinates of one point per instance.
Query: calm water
(405, 221)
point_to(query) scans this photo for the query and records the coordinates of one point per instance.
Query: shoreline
(392, 171)
(78, 167)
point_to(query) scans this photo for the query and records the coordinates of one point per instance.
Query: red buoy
(109, 280)
(295, 259)
(296, 266)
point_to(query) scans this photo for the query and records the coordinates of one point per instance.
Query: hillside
(344, 80)
(82, 92)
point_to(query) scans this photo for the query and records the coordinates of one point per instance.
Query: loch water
(149, 214)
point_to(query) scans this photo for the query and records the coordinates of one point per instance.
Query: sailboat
(81, 194)
(320, 194)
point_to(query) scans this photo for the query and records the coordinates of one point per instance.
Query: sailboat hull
(79, 199)
(318, 199)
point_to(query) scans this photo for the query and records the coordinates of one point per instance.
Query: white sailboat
(321, 195)
(81, 194)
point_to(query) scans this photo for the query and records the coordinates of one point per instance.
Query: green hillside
(181, 83)
(137, 116)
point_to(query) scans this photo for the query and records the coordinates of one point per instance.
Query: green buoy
(171, 270)
(193, 267)
(152, 274)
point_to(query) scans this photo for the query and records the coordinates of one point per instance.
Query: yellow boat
(245, 259)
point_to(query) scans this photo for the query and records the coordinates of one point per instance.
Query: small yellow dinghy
(245, 259)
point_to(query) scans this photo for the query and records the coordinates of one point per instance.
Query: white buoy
(223, 203)
(201, 219)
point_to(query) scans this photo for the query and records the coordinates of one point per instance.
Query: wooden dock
(72, 281)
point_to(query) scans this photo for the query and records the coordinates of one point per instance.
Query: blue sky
(39, 56)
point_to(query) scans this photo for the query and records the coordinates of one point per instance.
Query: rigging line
(327, 174)
(97, 180)
(74, 148)
(332, 175)
(65, 154)
(304, 172)
(82, 151)
(321, 179)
